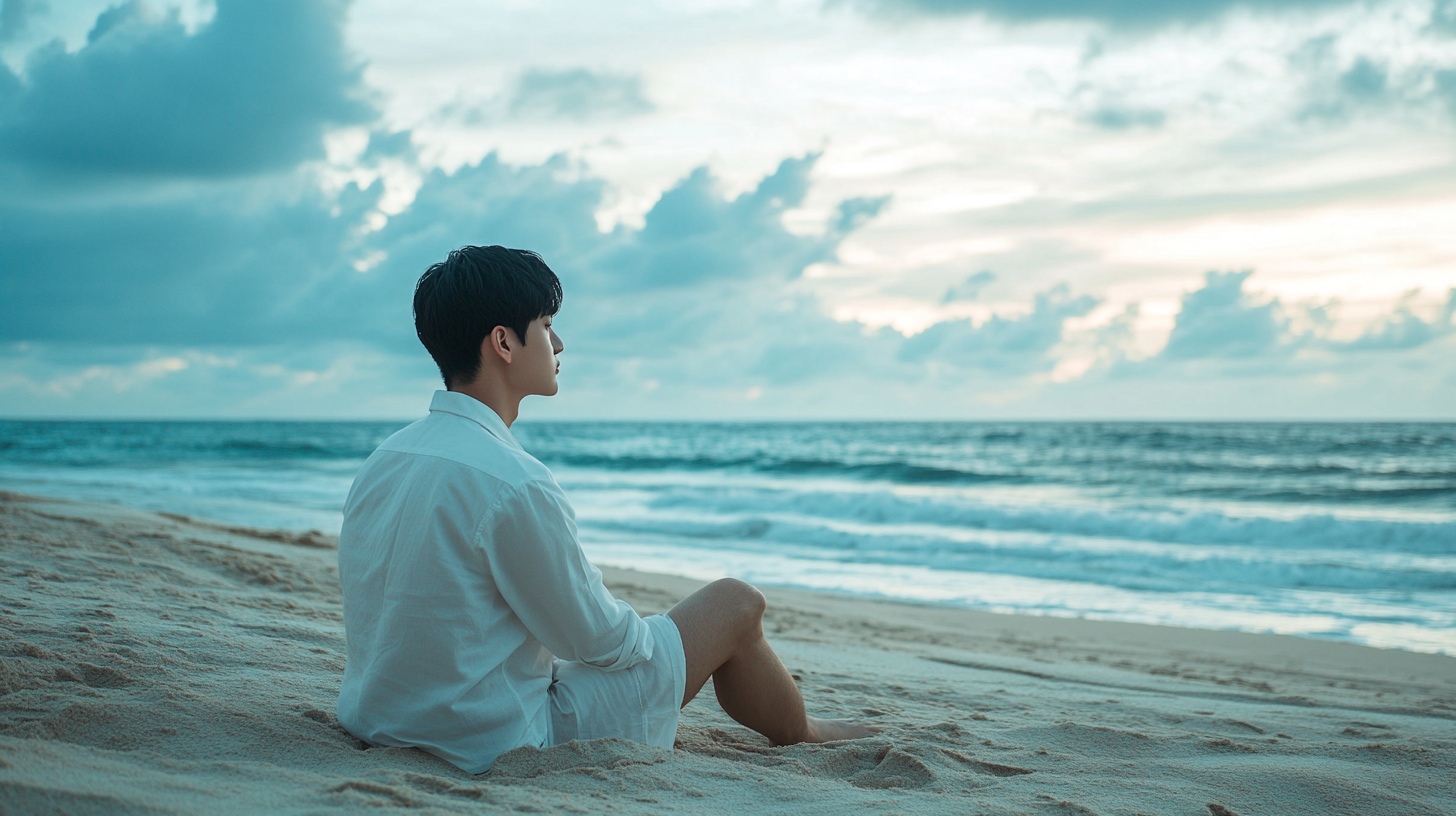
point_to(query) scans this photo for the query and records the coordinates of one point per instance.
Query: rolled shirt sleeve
(529, 540)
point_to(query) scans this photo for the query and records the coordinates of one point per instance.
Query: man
(474, 623)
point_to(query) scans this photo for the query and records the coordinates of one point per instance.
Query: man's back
(462, 577)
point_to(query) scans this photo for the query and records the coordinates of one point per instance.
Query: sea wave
(1114, 562)
(84, 444)
(1316, 528)
(886, 470)
(1284, 484)
(1292, 466)
(1320, 531)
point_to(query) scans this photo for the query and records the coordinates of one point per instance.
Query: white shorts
(639, 704)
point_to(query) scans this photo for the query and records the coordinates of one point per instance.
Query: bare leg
(722, 632)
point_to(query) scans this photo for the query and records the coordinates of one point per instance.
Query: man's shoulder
(450, 438)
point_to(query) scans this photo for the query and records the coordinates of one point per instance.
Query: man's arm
(531, 546)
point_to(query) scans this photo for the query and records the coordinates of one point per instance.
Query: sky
(817, 209)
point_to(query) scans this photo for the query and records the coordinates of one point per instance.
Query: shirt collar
(463, 405)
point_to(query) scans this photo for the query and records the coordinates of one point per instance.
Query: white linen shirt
(462, 577)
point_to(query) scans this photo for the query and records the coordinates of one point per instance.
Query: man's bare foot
(821, 730)
(830, 730)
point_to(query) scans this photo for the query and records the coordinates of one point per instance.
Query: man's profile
(473, 621)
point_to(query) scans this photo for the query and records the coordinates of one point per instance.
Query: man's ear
(499, 343)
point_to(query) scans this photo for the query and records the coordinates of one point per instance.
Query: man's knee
(745, 601)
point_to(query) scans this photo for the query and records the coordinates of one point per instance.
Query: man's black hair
(459, 300)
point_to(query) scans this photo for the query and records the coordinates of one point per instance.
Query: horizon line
(771, 420)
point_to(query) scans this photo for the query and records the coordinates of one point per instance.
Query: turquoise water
(1335, 530)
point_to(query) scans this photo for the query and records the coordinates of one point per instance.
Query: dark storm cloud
(1001, 343)
(252, 90)
(1126, 13)
(577, 94)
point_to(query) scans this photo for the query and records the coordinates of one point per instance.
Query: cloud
(802, 345)
(854, 213)
(1444, 82)
(1222, 321)
(1365, 84)
(970, 288)
(1402, 329)
(253, 90)
(330, 380)
(1443, 18)
(541, 95)
(10, 87)
(693, 234)
(254, 263)
(493, 202)
(383, 144)
(15, 17)
(1124, 13)
(247, 260)
(1017, 344)
(142, 266)
(577, 94)
(693, 296)
(1222, 329)
(1365, 80)
(1336, 88)
(1122, 117)
(1109, 108)
(238, 262)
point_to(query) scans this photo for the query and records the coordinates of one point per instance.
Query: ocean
(1344, 531)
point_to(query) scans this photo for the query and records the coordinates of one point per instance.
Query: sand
(157, 664)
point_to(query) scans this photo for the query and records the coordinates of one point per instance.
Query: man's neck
(495, 397)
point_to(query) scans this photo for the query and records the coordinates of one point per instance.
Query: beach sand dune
(157, 664)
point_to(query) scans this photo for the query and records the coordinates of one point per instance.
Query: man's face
(536, 368)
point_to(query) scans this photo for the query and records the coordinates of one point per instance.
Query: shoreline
(832, 592)
(990, 628)
(151, 662)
